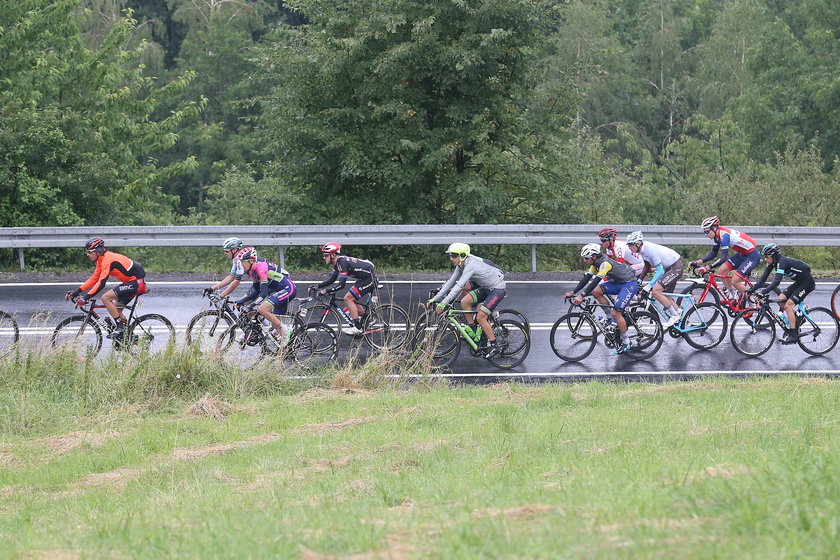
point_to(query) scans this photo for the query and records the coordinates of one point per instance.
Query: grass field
(116, 460)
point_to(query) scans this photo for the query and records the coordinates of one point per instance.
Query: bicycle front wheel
(818, 332)
(313, 346)
(78, 335)
(387, 327)
(9, 332)
(753, 332)
(573, 337)
(645, 334)
(696, 290)
(244, 347)
(513, 343)
(205, 329)
(150, 333)
(704, 326)
(438, 344)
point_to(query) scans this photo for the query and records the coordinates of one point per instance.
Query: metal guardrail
(282, 236)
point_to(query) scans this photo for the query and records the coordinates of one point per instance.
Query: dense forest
(143, 112)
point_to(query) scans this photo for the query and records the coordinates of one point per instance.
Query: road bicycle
(709, 290)
(150, 333)
(754, 330)
(385, 326)
(438, 338)
(702, 325)
(248, 340)
(9, 333)
(206, 326)
(575, 334)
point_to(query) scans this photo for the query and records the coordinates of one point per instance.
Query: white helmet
(635, 237)
(590, 250)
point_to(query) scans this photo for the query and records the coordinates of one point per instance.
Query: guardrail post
(533, 258)
(281, 256)
(20, 258)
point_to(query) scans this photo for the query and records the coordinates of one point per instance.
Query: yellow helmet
(460, 249)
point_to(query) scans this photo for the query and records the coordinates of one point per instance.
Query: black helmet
(95, 244)
(771, 250)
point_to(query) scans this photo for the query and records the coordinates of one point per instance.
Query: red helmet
(95, 244)
(607, 233)
(247, 254)
(330, 248)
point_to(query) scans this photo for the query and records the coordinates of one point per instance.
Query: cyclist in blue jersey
(270, 292)
(231, 246)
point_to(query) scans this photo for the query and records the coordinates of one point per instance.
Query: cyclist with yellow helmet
(486, 283)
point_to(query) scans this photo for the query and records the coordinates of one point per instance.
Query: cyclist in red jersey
(744, 259)
(108, 263)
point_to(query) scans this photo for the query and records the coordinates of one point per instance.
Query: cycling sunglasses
(706, 231)
(454, 255)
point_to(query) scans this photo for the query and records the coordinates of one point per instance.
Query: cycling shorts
(489, 299)
(800, 288)
(362, 287)
(624, 292)
(280, 300)
(743, 264)
(126, 292)
(672, 274)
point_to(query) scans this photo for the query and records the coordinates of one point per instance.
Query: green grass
(199, 468)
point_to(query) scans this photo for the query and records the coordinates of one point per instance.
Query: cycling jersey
(660, 258)
(112, 264)
(739, 242)
(236, 269)
(620, 252)
(604, 268)
(362, 270)
(785, 266)
(480, 272)
(268, 278)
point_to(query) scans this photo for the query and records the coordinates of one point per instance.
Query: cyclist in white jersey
(618, 250)
(667, 268)
(231, 246)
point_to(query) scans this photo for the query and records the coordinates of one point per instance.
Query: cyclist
(622, 284)
(743, 261)
(130, 273)
(667, 269)
(487, 280)
(345, 267)
(231, 246)
(270, 292)
(803, 284)
(618, 250)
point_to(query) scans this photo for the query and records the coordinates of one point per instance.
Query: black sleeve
(583, 282)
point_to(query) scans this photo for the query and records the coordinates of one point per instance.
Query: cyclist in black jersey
(803, 284)
(345, 267)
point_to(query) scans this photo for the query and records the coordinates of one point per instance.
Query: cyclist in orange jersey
(108, 263)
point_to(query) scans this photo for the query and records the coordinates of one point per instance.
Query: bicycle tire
(696, 290)
(313, 346)
(9, 333)
(513, 341)
(234, 347)
(151, 333)
(573, 336)
(835, 301)
(205, 328)
(753, 332)
(645, 334)
(517, 316)
(438, 345)
(75, 332)
(704, 326)
(818, 335)
(387, 327)
(321, 313)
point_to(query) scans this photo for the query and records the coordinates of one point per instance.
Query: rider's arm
(463, 277)
(713, 253)
(447, 286)
(587, 276)
(658, 272)
(332, 277)
(760, 282)
(97, 280)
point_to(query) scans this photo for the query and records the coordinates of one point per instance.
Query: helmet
(635, 237)
(590, 250)
(710, 222)
(232, 243)
(247, 254)
(607, 233)
(95, 244)
(330, 248)
(460, 249)
(771, 250)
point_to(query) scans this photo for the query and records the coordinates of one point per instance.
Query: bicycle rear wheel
(696, 290)
(313, 346)
(753, 332)
(321, 313)
(645, 333)
(150, 333)
(573, 337)
(704, 326)
(205, 329)
(387, 327)
(513, 342)
(9, 333)
(818, 333)
(78, 335)
(243, 347)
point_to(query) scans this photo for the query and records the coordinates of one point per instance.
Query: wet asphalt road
(39, 307)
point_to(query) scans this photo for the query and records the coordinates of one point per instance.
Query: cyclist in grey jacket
(485, 282)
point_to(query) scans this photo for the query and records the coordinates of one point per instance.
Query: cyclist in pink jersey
(744, 259)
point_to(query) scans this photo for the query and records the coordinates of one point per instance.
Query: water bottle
(783, 316)
(659, 308)
(346, 314)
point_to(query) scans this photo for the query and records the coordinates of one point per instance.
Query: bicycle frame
(106, 322)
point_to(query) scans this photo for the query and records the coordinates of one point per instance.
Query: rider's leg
(109, 299)
(725, 269)
(467, 306)
(266, 310)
